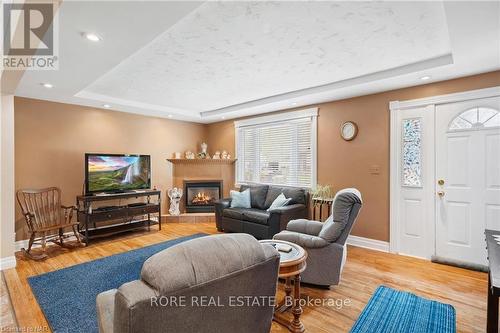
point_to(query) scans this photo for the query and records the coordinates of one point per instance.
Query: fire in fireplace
(202, 199)
(201, 195)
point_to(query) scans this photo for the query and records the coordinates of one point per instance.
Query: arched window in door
(475, 118)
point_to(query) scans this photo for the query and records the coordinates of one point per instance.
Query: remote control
(284, 248)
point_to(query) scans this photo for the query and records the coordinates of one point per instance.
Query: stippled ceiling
(227, 53)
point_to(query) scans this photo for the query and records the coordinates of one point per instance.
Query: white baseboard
(69, 236)
(20, 244)
(7, 262)
(25, 242)
(368, 243)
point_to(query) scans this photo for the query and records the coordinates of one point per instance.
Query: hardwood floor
(364, 272)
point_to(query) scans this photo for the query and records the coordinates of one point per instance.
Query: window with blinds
(279, 152)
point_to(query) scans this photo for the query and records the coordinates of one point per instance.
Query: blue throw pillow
(240, 199)
(280, 201)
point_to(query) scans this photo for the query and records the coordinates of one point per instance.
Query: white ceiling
(203, 61)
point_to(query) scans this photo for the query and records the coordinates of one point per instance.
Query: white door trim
(393, 187)
(443, 99)
(394, 108)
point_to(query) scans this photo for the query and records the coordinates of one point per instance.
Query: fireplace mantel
(200, 161)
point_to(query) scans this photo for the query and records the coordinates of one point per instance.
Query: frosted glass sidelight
(412, 152)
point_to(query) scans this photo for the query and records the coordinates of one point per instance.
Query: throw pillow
(240, 199)
(257, 195)
(280, 201)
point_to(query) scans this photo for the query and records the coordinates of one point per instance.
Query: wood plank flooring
(364, 272)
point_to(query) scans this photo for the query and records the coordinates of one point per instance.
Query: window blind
(278, 153)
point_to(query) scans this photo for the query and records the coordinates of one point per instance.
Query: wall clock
(349, 130)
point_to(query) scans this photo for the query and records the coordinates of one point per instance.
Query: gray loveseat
(325, 243)
(219, 268)
(257, 221)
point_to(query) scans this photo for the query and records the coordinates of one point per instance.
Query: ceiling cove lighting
(107, 106)
(47, 85)
(425, 78)
(92, 37)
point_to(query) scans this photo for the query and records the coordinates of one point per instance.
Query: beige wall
(52, 138)
(345, 164)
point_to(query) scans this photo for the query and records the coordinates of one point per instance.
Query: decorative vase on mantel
(203, 154)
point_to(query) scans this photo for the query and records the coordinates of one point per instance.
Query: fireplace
(200, 196)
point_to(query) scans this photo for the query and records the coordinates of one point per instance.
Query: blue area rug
(392, 311)
(67, 296)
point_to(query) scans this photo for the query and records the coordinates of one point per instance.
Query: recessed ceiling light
(92, 37)
(107, 106)
(222, 117)
(170, 116)
(47, 85)
(425, 78)
(294, 103)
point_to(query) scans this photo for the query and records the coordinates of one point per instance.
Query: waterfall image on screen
(108, 173)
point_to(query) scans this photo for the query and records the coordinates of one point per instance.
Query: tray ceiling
(210, 59)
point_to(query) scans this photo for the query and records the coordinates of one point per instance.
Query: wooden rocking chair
(44, 214)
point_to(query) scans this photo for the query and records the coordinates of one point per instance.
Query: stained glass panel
(412, 152)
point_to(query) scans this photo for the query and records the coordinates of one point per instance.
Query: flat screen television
(116, 173)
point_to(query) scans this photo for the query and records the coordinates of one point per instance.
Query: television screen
(115, 173)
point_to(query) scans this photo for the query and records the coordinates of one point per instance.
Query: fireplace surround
(201, 169)
(200, 195)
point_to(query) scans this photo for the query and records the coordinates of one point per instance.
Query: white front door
(467, 186)
(414, 177)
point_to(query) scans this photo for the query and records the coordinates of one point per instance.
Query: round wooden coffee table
(291, 265)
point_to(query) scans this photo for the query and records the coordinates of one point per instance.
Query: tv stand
(133, 216)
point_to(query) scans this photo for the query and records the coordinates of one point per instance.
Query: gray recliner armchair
(325, 243)
(177, 285)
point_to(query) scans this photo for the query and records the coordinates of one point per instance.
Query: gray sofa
(325, 243)
(215, 267)
(257, 221)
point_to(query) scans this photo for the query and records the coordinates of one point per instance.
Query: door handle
(440, 194)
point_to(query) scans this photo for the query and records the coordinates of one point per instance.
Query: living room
(250, 167)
